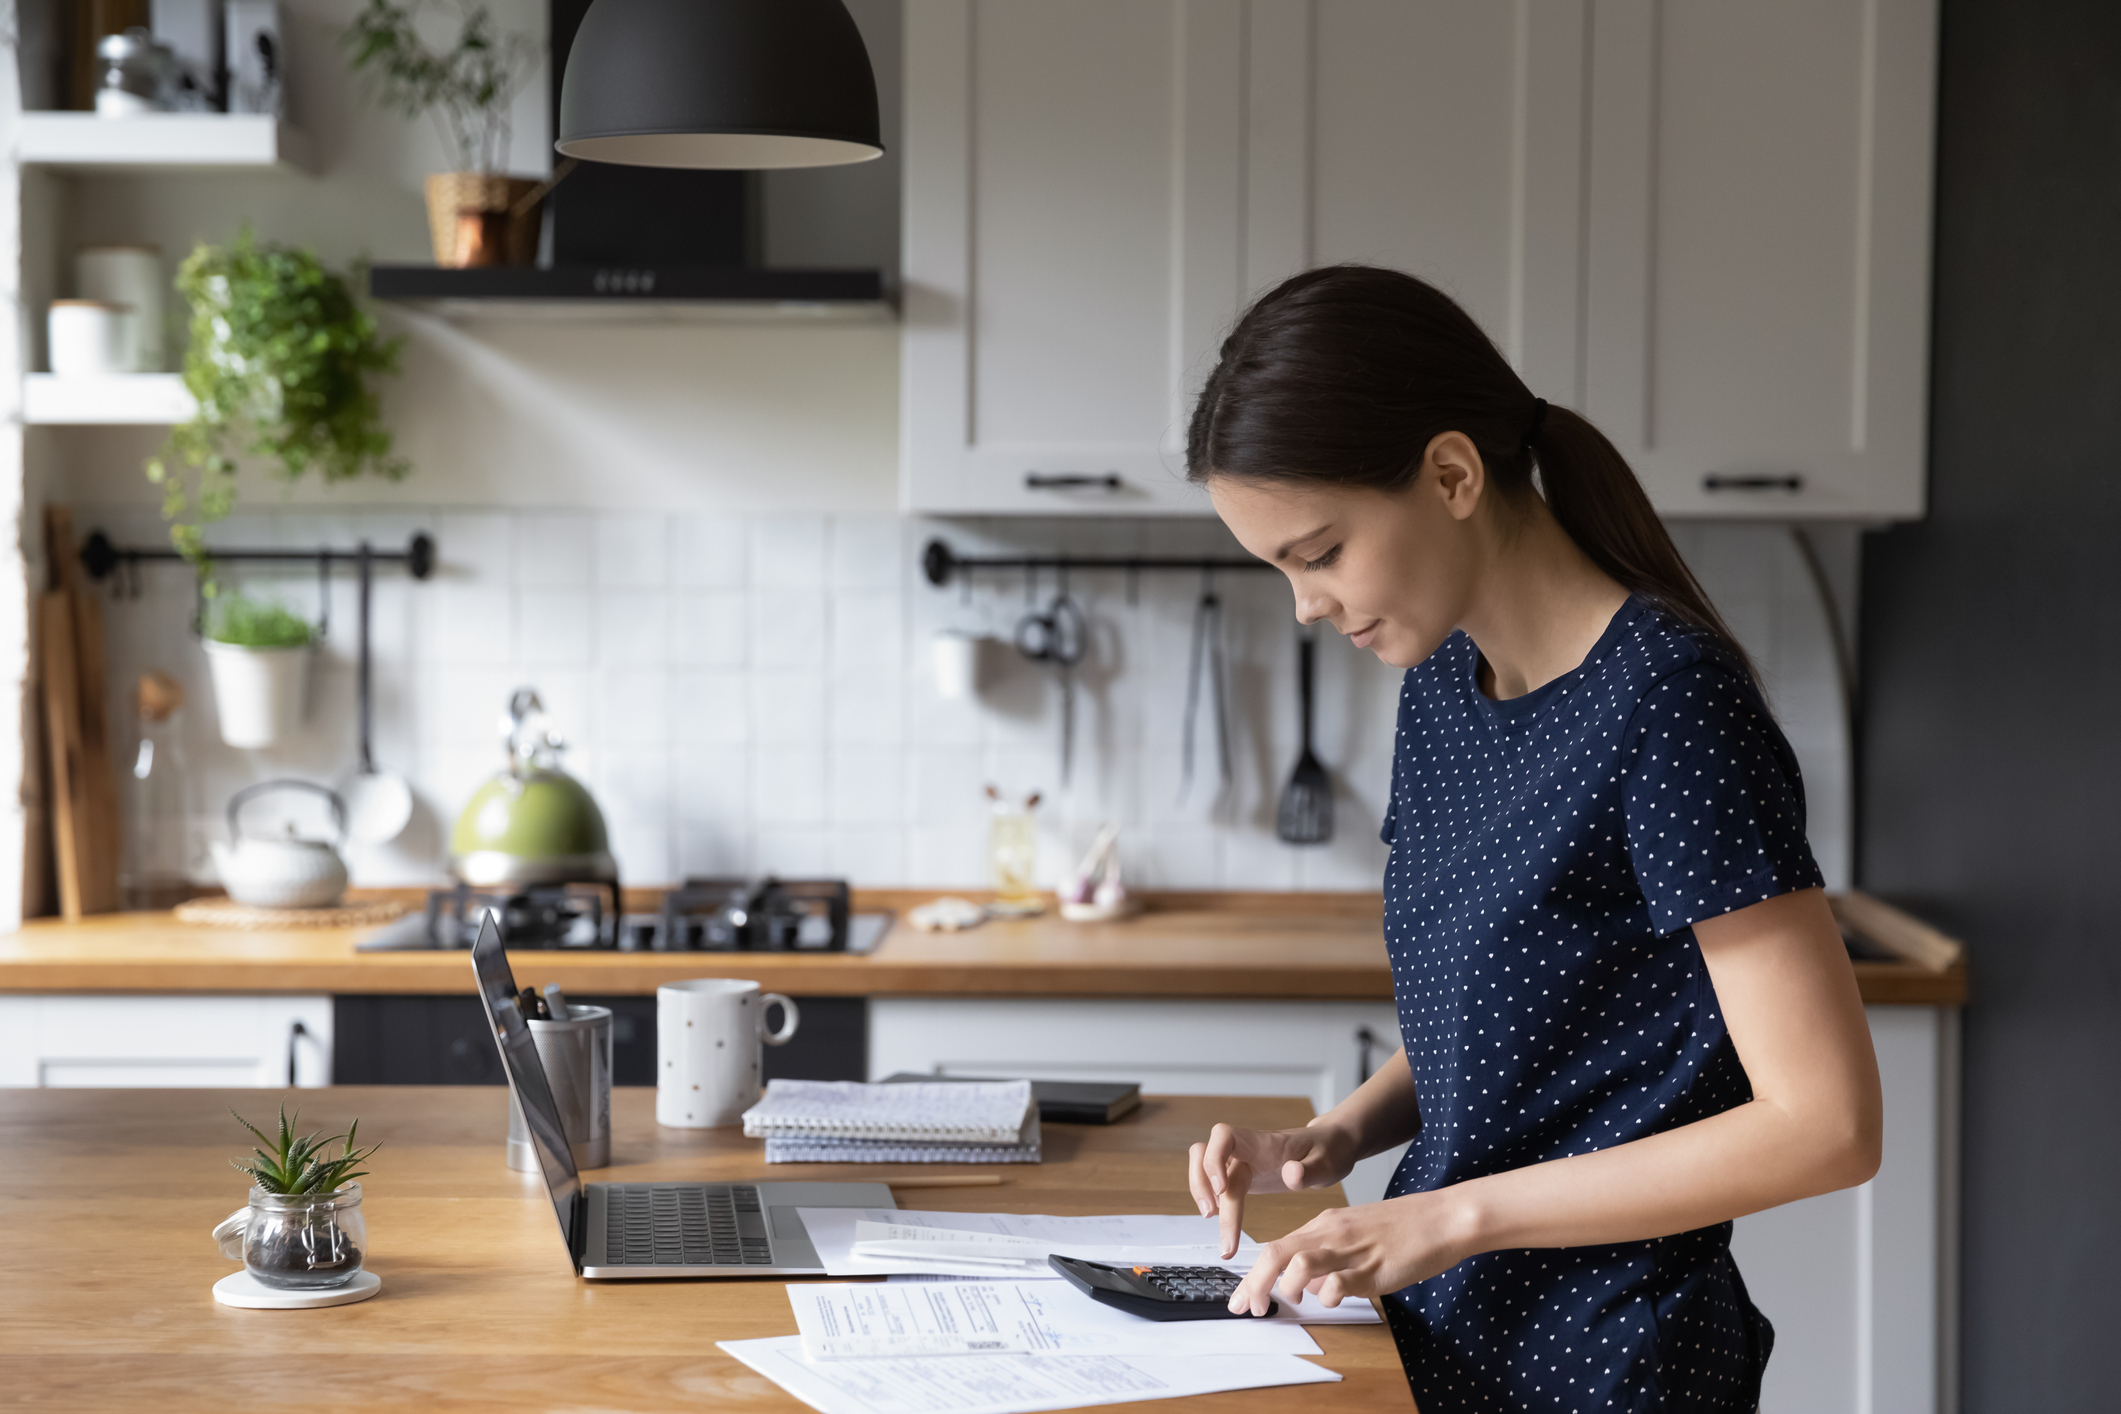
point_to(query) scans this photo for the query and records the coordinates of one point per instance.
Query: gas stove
(701, 915)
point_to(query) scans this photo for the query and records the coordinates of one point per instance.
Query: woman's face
(1393, 571)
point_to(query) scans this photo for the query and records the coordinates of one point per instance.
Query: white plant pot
(262, 693)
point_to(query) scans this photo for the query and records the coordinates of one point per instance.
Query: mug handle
(789, 1017)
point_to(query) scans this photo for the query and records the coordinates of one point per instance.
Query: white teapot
(291, 872)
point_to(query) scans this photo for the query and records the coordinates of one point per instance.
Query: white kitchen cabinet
(1707, 226)
(186, 1041)
(1757, 251)
(1857, 1283)
(1071, 247)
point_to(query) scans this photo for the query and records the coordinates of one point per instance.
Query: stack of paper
(1012, 1342)
(818, 1121)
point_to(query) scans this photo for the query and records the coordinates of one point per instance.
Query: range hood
(641, 242)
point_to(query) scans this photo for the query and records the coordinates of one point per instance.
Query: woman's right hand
(1236, 1161)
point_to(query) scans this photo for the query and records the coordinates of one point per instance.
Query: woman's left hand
(1366, 1250)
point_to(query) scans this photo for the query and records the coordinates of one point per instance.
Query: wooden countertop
(105, 1277)
(1265, 946)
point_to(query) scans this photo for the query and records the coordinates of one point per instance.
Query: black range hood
(644, 241)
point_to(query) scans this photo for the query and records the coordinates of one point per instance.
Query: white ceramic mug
(957, 655)
(88, 338)
(709, 1038)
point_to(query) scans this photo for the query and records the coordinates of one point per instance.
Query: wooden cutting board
(84, 783)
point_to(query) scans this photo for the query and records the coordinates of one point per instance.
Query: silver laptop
(651, 1229)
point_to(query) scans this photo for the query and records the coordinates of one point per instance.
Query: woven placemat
(227, 913)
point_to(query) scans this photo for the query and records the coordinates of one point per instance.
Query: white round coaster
(243, 1289)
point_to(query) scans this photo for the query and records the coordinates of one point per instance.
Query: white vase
(262, 693)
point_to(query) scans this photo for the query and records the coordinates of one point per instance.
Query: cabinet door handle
(1071, 481)
(1365, 1039)
(1791, 483)
(295, 1033)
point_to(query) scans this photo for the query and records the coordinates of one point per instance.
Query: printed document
(1177, 1241)
(845, 1320)
(1008, 1384)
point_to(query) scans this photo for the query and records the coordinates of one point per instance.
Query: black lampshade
(719, 83)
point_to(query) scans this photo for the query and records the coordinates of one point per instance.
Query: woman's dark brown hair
(1343, 375)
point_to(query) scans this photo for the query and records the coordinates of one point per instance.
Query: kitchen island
(479, 1308)
(1204, 994)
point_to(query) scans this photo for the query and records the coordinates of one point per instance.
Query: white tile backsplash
(754, 693)
(633, 551)
(555, 628)
(708, 629)
(554, 549)
(632, 629)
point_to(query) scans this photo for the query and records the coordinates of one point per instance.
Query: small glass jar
(136, 74)
(298, 1242)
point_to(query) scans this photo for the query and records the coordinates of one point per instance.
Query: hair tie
(1539, 420)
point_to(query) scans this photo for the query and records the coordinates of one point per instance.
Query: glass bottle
(1012, 850)
(163, 846)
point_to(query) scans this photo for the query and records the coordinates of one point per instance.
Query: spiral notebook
(831, 1121)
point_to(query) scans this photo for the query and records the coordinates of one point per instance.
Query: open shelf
(119, 399)
(159, 142)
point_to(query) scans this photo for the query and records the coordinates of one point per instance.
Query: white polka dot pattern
(1549, 856)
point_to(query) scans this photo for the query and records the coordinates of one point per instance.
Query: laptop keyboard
(682, 1225)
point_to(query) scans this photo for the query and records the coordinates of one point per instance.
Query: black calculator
(1160, 1293)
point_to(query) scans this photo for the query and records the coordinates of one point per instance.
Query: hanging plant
(282, 365)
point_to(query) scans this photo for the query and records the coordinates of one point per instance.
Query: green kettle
(533, 823)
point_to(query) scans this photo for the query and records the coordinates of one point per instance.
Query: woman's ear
(1461, 477)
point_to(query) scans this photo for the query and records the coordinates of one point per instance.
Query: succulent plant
(291, 1165)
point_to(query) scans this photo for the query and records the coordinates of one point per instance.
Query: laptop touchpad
(787, 1223)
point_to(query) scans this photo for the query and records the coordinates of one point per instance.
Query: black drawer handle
(1792, 484)
(1071, 481)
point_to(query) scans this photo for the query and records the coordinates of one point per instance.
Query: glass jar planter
(298, 1242)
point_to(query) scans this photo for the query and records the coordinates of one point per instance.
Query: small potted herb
(476, 214)
(303, 1229)
(259, 655)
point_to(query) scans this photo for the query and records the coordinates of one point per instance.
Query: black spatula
(1306, 813)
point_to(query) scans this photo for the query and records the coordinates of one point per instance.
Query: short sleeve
(1712, 798)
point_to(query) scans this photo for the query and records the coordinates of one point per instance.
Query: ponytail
(1345, 374)
(1594, 496)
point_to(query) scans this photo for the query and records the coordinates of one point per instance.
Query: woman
(1626, 1011)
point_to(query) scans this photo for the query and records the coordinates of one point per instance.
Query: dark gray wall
(1992, 676)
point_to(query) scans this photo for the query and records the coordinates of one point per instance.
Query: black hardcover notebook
(1061, 1101)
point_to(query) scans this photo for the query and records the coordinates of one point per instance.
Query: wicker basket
(449, 193)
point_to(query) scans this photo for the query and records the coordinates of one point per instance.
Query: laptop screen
(526, 1075)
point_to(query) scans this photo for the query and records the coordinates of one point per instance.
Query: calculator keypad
(1190, 1283)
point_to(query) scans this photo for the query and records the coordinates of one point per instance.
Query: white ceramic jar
(88, 338)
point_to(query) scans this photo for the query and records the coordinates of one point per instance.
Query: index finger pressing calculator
(1160, 1293)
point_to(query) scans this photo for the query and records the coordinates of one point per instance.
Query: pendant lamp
(719, 83)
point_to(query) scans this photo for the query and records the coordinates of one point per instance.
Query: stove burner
(544, 916)
(738, 915)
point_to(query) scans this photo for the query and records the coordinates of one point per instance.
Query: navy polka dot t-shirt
(1549, 854)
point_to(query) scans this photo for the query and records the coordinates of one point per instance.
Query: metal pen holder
(576, 1054)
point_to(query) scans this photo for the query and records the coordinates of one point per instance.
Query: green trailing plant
(282, 364)
(295, 1166)
(255, 623)
(467, 88)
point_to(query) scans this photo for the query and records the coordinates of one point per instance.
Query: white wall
(751, 691)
